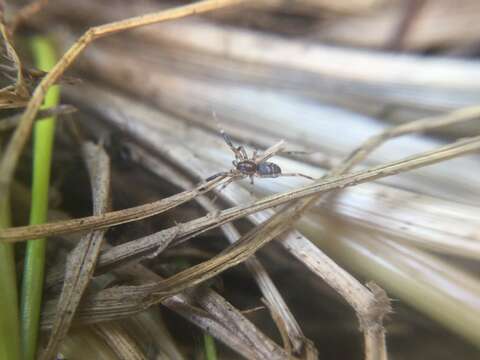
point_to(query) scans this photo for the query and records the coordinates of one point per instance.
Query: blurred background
(324, 76)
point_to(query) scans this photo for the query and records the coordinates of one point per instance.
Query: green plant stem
(33, 275)
(9, 325)
(210, 349)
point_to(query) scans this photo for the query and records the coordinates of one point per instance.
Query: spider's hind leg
(224, 185)
(296, 174)
(214, 176)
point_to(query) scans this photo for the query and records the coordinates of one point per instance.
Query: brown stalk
(238, 324)
(281, 326)
(124, 347)
(121, 216)
(11, 122)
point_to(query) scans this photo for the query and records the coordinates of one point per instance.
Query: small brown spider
(255, 166)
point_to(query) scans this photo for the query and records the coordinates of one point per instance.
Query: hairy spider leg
(296, 174)
(270, 152)
(224, 185)
(297, 152)
(239, 152)
(254, 157)
(242, 150)
(214, 176)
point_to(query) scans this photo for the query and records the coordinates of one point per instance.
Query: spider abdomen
(268, 169)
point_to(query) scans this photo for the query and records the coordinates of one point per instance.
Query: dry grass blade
(121, 216)
(10, 158)
(281, 326)
(119, 341)
(11, 122)
(223, 321)
(127, 300)
(372, 325)
(260, 274)
(414, 127)
(219, 318)
(16, 95)
(455, 149)
(81, 262)
(125, 254)
(124, 301)
(238, 324)
(153, 335)
(120, 255)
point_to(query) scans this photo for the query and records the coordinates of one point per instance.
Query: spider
(257, 165)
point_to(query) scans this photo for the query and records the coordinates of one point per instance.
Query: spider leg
(242, 151)
(254, 155)
(238, 153)
(251, 179)
(297, 152)
(214, 176)
(296, 174)
(271, 151)
(224, 185)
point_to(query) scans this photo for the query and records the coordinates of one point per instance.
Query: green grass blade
(210, 348)
(33, 276)
(9, 325)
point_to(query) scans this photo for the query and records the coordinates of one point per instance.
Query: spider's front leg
(239, 152)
